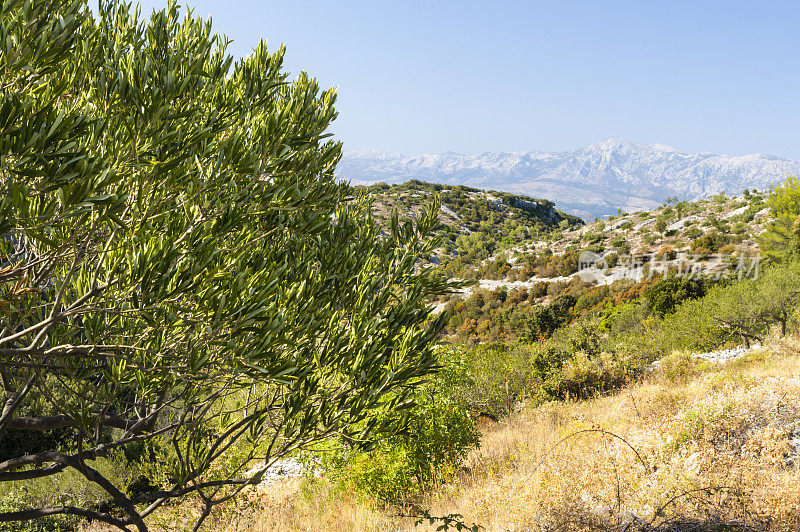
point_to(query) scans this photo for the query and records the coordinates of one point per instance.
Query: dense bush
(781, 240)
(738, 312)
(498, 377)
(540, 321)
(666, 294)
(495, 269)
(637, 324)
(592, 299)
(709, 243)
(441, 430)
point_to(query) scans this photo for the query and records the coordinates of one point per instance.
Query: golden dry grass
(709, 450)
(709, 453)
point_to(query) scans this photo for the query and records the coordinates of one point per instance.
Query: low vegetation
(691, 446)
(476, 224)
(189, 300)
(602, 416)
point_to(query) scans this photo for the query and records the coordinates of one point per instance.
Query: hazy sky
(472, 76)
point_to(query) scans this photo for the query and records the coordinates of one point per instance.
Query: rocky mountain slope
(466, 210)
(600, 261)
(594, 181)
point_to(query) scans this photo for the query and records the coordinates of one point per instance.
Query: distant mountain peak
(591, 182)
(612, 143)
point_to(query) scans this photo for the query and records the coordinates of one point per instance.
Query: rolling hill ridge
(594, 181)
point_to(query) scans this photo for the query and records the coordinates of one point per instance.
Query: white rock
(282, 469)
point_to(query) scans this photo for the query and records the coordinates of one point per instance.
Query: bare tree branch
(38, 513)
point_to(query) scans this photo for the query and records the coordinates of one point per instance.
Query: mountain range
(594, 181)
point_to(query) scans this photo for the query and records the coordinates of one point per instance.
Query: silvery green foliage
(178, 264)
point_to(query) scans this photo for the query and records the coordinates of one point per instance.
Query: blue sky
(475, 76)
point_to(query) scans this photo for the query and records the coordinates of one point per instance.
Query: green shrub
(67, 488)
(591, 299)
(739, 312)
(17, 499)
(781, 240)
(709, 242)
(441, 431)
(665, 295)
(679, 367)
(542, 320)
(538, 290)
(693, 232)
(498, 377)
(586, 374)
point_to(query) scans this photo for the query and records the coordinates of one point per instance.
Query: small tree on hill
(183, 284)
(742, 311)
(781, 240)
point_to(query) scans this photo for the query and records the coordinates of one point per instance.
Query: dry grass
(713, 453)
(718, 450)
(316, 507)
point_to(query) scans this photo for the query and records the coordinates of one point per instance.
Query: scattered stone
(286, 468)
(716, 357)
(682, 222)
(794, 446)
(724, 355)
(737, 212)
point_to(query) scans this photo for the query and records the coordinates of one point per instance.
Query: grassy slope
(727, 427)
(713, 442)
(694, 428)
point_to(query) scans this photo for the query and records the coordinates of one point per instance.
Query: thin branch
(30, 474)
(49, 321)
(660, 511)
(42, 423)
(585, 431)
(14, 400)
(38, 513)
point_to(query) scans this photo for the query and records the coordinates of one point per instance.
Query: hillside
(735, 220)
(695, 446)
(647, 403)
(713, 238)
(465, 208)
(695, 232)
(526, 248)
(475, 222)
(590, 182)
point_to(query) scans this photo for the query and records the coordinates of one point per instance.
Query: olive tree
(179, 269)
(741, 311)
(749, 308)
(780, 240)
